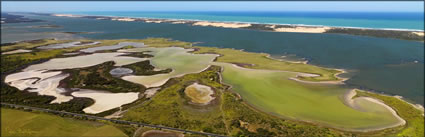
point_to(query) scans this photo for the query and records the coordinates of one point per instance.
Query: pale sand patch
(199, 94)
(150, 92)
(117, 114)
(44, 83)
(171, 57)
(419, 33)
(178, 22)
(153, 21)
(348, 99)
(67, 15)
(105, 100)
(222, 24)
(16, 51)
(124, 19)
(302, 29)
(84, 61)
(157, 79)
(42, 74)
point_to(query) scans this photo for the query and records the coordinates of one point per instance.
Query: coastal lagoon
(379, 61)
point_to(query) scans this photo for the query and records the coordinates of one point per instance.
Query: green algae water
(391, 66)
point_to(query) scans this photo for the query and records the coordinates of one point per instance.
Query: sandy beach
(67, 15)
(300, 29)
(221, 24)
(416, 35)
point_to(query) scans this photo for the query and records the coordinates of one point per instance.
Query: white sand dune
(123, 19)
(301, 29)
(105, 100)
(222, 24)
(67, 15)
(419, 33)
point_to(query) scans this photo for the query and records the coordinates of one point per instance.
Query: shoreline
(349, 98)
(182, 21)
(403, 34)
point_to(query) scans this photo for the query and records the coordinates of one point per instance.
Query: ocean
(376, 20)
(390, 66)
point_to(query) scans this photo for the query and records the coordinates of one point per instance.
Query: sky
(68, 6)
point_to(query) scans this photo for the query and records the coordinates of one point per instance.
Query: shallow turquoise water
(389, 20)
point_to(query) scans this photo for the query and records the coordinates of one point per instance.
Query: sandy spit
(350, 102)
(301, 29)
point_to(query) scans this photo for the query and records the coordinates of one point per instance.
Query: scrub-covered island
(163, 87)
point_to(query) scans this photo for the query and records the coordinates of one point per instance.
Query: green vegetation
(170, 107)
(274, 92)
(406, 35)
(413, 116)
(225, 115)
(144, 68)
(261, 61)
(228, 114)
(29, 44)
(98, 78)
(174, 58)
(139, 55)
(20, 123)
(15, 96)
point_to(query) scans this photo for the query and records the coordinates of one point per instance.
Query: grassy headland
(262, 61)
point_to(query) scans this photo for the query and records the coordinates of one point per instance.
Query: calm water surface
(391, 66)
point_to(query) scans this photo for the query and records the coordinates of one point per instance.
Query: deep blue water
(386, 65)
(381, 20)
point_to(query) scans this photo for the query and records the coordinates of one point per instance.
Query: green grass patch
(144, 68)
(21, 123)
(275, 93)
(30, 44)
(261, 61)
